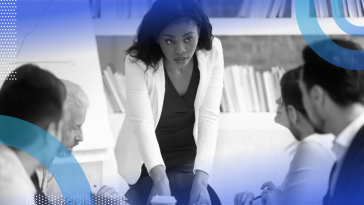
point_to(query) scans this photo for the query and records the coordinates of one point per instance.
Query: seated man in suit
(40, 104)
(333, 98)
(308, 176)
(74, 116)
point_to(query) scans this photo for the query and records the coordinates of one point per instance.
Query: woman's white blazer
(137, 142)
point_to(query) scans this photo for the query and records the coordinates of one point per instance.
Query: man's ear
(55, 129)
(317, 95)
(292, 114)
(52, 129)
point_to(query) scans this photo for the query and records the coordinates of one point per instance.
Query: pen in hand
(255, 198)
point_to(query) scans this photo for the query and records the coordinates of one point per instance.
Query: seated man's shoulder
(14, 181)
(314, 153)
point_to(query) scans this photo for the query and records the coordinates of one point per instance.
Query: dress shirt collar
(347, 135)
(320, 138)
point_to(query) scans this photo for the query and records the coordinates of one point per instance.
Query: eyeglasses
(280, 101)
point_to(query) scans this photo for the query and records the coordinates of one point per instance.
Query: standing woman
(174, 80)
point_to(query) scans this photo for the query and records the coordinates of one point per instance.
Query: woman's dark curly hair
(163, 13)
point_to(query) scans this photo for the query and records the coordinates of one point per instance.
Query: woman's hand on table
(160, 182)
(243, 198)
(199, 193)
(270, 194)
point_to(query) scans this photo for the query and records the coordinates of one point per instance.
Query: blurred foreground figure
(333, 98)
(36, 96)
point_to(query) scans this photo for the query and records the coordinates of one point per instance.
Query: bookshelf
(111, 25)
(241, 135)
(350, 8)
(222, 26)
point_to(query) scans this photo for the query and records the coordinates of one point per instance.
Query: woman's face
(178, 42)
(281, 116)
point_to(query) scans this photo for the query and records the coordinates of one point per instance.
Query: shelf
(227, 26)
(329, 26)
(221, 26)
(110, 25)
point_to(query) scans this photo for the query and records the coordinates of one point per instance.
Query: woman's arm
(140, 113)
(141, 116)
(160, 183)
(208, 119)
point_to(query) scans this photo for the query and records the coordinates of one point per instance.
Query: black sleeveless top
(175, 127)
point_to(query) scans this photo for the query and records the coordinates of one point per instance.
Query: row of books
(247, 90)
(264, 8)
(350, 8)
(115, 90)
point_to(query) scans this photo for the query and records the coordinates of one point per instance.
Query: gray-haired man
(74, 116)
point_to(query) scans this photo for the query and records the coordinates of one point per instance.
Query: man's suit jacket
(349, 188)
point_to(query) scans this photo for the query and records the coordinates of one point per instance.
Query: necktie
(45, 181)
(39, 198)
(35, 181)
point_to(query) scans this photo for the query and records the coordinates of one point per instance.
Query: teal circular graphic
(43, 147)
(343, 23)
(309, 25)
